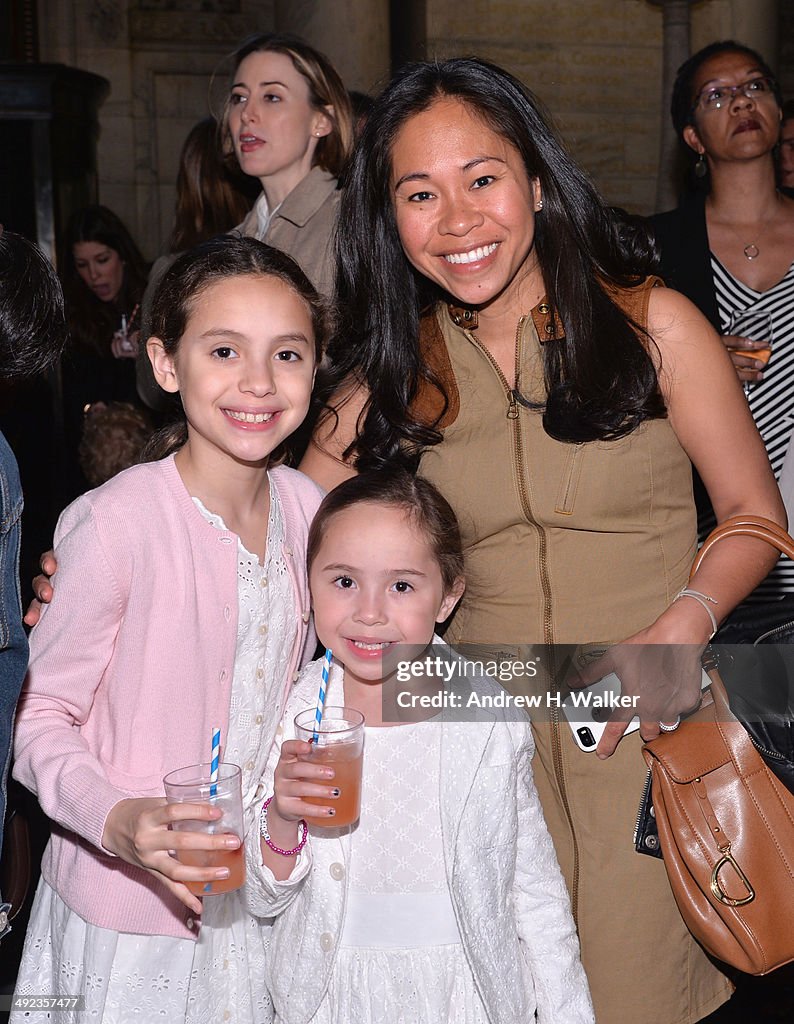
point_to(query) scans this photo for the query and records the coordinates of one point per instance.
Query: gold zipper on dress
(548, 627)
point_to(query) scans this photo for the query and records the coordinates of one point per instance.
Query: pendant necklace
(751, 250)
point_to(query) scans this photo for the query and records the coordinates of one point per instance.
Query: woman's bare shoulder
(337, 428)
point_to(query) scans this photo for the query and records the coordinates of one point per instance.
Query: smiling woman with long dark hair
(500, 331)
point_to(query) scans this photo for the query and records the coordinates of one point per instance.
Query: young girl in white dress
(445, 902)
(180, 603)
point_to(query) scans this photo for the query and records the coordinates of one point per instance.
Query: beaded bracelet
(703, 600)
(265, 834)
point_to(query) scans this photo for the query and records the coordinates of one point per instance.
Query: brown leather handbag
(16, 867)
(725, 821)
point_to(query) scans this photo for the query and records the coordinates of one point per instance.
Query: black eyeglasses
(714, 97)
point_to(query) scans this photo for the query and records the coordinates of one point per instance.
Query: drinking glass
(339, 744)
(194, 785)
(755, 325)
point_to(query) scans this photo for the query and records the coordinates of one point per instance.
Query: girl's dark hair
(683, 98)
(92, 321)
(361, 104)
(190, 275)
(32, 320)
(600, 379)
(211, 196)
(325, 90)
(427, 508)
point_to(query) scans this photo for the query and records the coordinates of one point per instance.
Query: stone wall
(597, 64)
(160, 57)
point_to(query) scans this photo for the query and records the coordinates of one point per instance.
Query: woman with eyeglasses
(730, 248)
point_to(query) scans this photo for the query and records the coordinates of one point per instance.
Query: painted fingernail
(328, 773)
(331, 812)
(335, 792)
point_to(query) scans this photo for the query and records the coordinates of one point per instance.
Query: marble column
(675, 14)
(354, 34)
(757, 25)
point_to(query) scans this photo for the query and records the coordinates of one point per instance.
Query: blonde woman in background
(289, 122)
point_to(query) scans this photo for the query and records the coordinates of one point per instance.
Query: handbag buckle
(716, 888)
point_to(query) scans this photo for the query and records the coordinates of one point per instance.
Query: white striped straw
(318, 714)
(215, 757)
(215, 761)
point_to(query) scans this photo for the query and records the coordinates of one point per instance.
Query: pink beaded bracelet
(265, 834)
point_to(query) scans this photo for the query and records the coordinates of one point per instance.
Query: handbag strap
(740, 526)
(746, 526)
(734, 734)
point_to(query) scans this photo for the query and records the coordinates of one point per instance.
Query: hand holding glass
(193, 785)
(124, 344)
(753, 325)
(340, 745)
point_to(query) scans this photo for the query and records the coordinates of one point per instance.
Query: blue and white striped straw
(215, 757)
(215, 761)
(318, 714)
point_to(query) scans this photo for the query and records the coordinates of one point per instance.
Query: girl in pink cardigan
(181, 603)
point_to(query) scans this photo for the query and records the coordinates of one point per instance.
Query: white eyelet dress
(400, 959)
(227, 982)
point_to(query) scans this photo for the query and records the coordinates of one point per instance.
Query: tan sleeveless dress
(575, 544)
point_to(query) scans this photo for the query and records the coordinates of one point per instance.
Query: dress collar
(548, 326)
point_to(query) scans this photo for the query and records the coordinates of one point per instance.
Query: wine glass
(755, 325)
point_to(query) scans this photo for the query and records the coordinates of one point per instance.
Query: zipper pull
(512, 408)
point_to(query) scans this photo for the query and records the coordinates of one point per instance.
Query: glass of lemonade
(193, 785)
(340, 744)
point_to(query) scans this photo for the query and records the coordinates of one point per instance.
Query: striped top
(771, 400)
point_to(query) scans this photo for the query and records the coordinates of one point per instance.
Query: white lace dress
(400, 958)
(127, 978)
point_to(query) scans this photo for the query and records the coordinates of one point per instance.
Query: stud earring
(540, 205)
(701, 169)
